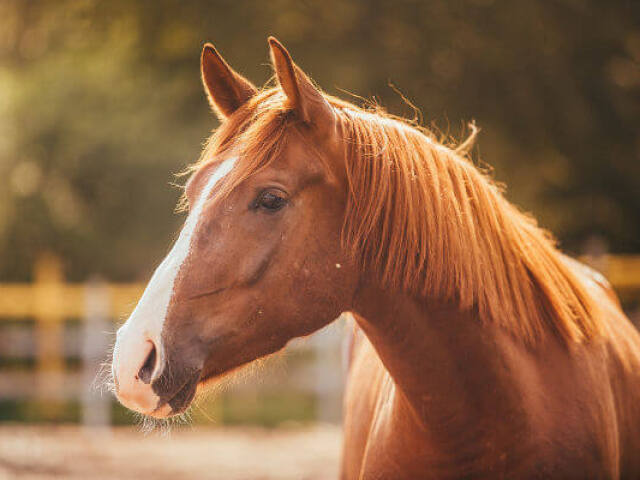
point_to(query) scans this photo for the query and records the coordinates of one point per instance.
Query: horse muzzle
(137, 363)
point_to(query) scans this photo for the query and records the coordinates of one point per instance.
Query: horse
(479, 350)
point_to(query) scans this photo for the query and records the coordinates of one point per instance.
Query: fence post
(96, 405)
(49, 332)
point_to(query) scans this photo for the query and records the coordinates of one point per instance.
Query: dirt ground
(185, 453)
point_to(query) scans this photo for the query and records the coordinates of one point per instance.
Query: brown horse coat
(480, 350)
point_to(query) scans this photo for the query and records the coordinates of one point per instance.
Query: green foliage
(100, 104)
(36, 411)
(268, 409)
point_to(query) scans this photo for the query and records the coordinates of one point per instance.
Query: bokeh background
(101, 105)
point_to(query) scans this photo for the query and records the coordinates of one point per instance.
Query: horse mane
(422, 218)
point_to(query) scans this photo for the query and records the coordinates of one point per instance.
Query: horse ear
(302, 95)
(226, 89)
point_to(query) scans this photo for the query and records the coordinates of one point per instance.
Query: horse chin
(179, 402)
(165, 411)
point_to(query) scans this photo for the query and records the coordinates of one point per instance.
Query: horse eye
(270, 200)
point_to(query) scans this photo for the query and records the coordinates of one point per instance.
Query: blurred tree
(100, 102)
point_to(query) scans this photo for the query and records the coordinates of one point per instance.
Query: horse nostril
(146, 371)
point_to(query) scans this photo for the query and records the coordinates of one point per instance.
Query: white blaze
(147, 319)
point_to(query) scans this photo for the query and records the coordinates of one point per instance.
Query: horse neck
(442, 359)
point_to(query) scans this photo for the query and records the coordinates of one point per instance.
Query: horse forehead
(200, 178)
(299, 158)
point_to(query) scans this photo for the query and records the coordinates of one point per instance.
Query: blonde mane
(423, 219)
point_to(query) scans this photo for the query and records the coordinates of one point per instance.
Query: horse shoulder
(623, 354)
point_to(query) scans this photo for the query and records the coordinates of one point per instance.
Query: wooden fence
(50, 301)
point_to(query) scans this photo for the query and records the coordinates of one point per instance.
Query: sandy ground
(186, 453)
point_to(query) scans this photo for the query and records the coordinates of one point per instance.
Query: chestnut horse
(479, 351)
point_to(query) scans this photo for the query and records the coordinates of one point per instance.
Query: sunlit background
(101, 105)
